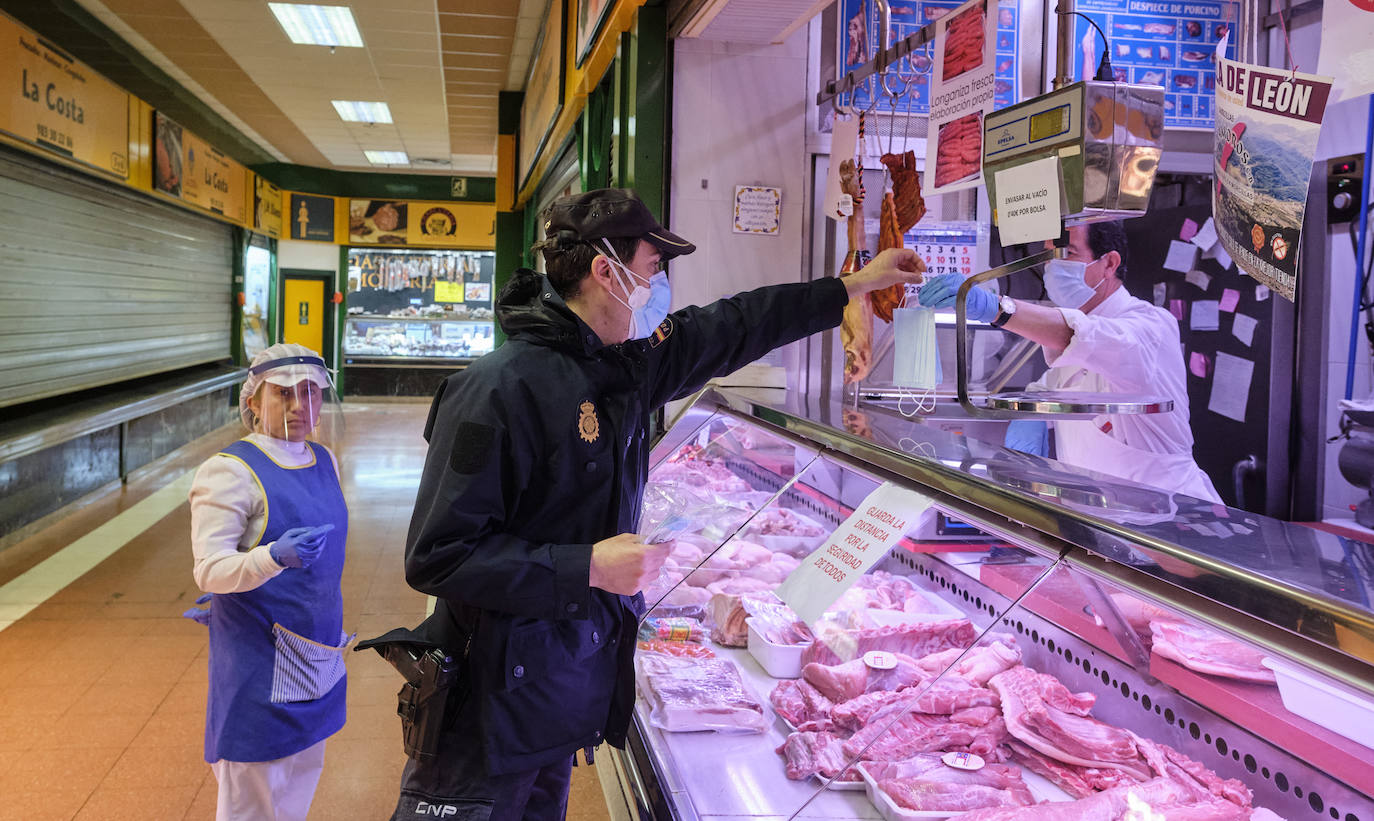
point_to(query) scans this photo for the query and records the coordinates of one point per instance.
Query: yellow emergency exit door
(303, 312)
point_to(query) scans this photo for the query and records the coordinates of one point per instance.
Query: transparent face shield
(293, 399)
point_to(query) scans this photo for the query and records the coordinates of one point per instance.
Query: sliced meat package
(690, 695)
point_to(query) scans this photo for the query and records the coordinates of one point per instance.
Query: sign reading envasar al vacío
(61, 105)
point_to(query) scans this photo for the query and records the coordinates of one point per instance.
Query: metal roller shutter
(99, 285)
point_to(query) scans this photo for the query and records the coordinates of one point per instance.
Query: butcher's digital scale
(1107, 138)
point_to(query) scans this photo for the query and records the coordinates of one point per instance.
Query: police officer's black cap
(610, 213)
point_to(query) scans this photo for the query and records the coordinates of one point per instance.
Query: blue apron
(276, 652)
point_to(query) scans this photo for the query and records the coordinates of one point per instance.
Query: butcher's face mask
(648, 305)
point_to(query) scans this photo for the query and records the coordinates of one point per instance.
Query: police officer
(524, 526)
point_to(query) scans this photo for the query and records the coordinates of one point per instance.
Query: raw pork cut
(941, 697)
(976, 730)
(924, 783)
(980, 664)
(1162, 799)
(1208, 652)
(699, 694)
(799, 703)
(1079, 782)
(841, 682)
(1166, 761)
(915, 640)
(1044, 715)
(807, 754)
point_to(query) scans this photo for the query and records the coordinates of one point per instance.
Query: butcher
(524, 525)
(1098, 338)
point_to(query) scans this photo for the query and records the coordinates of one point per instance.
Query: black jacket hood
(529, 309)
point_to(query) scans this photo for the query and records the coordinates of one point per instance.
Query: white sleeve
(225, 497)
(1124, 350)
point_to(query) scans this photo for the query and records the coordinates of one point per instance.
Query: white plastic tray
(777, 660)
(1335, 707)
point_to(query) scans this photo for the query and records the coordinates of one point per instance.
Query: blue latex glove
(1028, 436)
(299, 547)
(199, 615)
(941, 289)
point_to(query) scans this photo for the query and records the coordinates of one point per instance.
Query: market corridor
(102, 682)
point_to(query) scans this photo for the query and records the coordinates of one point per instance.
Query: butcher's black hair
(567, 263)
(1104, 237)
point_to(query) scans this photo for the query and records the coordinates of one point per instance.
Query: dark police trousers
(455, 784)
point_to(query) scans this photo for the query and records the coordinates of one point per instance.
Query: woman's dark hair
(1104, 237)
(568, 262)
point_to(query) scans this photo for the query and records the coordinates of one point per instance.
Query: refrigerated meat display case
(1067, 635)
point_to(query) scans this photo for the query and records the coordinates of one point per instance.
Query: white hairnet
(286, 374)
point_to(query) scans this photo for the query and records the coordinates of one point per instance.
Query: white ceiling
(438, 64)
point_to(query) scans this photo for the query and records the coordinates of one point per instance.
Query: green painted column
(645, 138)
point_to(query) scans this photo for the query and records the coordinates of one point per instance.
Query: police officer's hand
(888, 268)
(625, 565)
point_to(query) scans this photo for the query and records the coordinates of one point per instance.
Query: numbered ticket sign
(874, 528)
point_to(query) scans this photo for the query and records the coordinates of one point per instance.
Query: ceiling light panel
(359, 111)
(318, 25)
(387, 157)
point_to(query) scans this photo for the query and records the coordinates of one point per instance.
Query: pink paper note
(1197, 364)
(1188, 231)
(1230, 298)
(1176, 308)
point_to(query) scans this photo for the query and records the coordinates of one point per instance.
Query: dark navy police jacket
(537, 451)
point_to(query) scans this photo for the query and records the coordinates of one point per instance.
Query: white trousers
(279, 790)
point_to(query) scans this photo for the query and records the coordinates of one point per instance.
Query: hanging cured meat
(888, 299)
(906, 189)
(856, 331)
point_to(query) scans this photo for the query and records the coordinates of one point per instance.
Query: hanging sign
(409, 223)
(60, 105)
(875, 527)
(189, 168)
(1027, 207)
(311, 217)
(758, 210)
(961, 93)
(1266, 136)
(1159, 43)
(1347, 51)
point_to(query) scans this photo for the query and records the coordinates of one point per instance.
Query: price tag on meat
(961, 93)
(875, 527)
(1028, 202)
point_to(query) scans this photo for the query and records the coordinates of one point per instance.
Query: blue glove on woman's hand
(299, 547)
(198, 615)
(941, 290)
(1028, 436)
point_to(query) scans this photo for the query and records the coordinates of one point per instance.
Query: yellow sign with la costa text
(266, 207)
(61, 105)
(188, 167)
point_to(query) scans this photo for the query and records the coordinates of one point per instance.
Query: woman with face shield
(268, 528)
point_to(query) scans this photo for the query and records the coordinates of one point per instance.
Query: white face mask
(915, 358)
(1065, 282)
(648, 305)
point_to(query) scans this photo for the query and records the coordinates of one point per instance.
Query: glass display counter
(423, 337)
(1043, 642)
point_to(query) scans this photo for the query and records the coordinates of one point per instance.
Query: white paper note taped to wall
(1206, 315)
(1243, 328)
(1028, 202)
(875, 527)
(1199, 279)
(1206, 236)
(1182, 256)
(1231, 386)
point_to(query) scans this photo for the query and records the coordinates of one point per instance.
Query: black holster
(423, 701)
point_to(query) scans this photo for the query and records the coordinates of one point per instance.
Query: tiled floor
(102, 683)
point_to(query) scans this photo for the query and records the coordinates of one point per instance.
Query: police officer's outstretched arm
(699, 343)
(463, 543)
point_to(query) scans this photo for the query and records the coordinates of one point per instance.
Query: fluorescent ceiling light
(358, 111)
(318, 25)
(387, 157)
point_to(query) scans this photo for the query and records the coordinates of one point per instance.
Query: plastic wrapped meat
(690, 695)
(1208, 652)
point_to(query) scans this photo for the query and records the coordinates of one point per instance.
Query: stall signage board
(859, 42)
(543, 102)
(961, 93)
(860, 542)
(192, 170)
(61, 105)
(1028, 201)
(266, 207)
(433, 224)
(1160, 42)
(1268, 121)
(758, 210)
